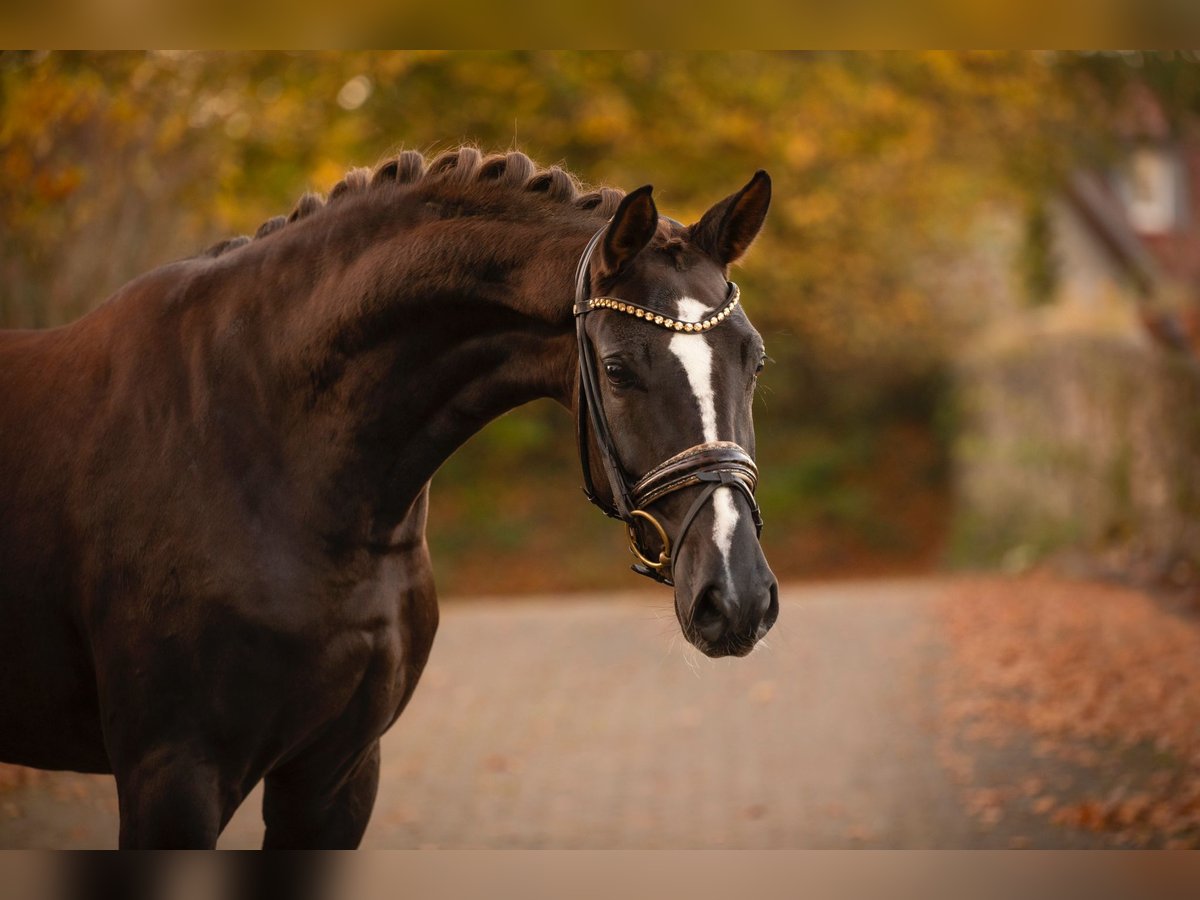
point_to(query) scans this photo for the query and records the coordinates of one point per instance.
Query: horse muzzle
(723, 622)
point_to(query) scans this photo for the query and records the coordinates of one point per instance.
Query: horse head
(669, 363)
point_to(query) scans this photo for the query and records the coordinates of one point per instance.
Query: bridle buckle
(663, 567)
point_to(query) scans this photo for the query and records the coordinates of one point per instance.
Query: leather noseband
(709, 465)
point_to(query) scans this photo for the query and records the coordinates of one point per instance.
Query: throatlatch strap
(591, 410)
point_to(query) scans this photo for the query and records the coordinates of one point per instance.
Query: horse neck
(417, 333)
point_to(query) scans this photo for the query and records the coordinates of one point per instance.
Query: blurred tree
(113, 163)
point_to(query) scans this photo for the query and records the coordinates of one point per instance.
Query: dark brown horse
(213, 567)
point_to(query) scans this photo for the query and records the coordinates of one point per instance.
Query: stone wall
(1082, 441)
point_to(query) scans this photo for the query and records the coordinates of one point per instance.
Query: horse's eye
(618, 375)
(762, 364)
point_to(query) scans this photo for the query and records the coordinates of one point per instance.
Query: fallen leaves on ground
(1101, 679)
(13, 777)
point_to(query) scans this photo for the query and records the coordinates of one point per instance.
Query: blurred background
(974, 265)
(980, 286)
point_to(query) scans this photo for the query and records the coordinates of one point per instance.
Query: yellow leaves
(171, 132)
(799, 149)
(16, 165)
(54, 187)
(606, 118)
(875, 156)
(807, 210)
(740, 127)
(327, 173)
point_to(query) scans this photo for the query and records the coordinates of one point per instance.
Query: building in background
(1130, 235)
(1081, 408)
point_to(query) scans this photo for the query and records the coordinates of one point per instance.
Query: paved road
(586, 722)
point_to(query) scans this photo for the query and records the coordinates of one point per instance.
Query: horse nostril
(708, 615)
(772, 609)
(731, 625)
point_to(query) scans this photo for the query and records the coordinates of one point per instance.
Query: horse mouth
(731, 649)
(730, 646)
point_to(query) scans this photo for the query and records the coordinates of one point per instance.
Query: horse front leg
(315, 803)
(323, 798)
(170, 800)
(320, 797)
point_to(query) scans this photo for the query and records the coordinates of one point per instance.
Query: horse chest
(375, 637)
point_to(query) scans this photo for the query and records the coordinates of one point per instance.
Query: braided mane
(464, 166)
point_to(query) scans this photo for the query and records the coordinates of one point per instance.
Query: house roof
(1104, 213)
(1141, 117)
(1151, 258)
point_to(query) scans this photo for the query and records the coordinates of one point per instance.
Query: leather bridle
(710, 465)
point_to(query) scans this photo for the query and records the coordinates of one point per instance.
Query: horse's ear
(630, 231)
(726, 231)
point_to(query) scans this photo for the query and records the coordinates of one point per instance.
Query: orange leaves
(54, 187)
(872, 153)
(1103, 681)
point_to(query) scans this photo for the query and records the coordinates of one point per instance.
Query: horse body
(215, 487)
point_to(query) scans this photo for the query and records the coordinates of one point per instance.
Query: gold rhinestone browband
(657, 318)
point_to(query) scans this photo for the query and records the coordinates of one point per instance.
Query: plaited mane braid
(465, 166)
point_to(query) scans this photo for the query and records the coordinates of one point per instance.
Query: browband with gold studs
(657, 318)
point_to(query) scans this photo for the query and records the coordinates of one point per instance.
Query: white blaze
(695, 354)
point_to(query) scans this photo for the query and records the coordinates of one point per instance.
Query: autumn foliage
(1100, 683)
(112, 163)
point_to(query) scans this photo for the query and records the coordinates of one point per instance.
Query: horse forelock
(465, 168)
